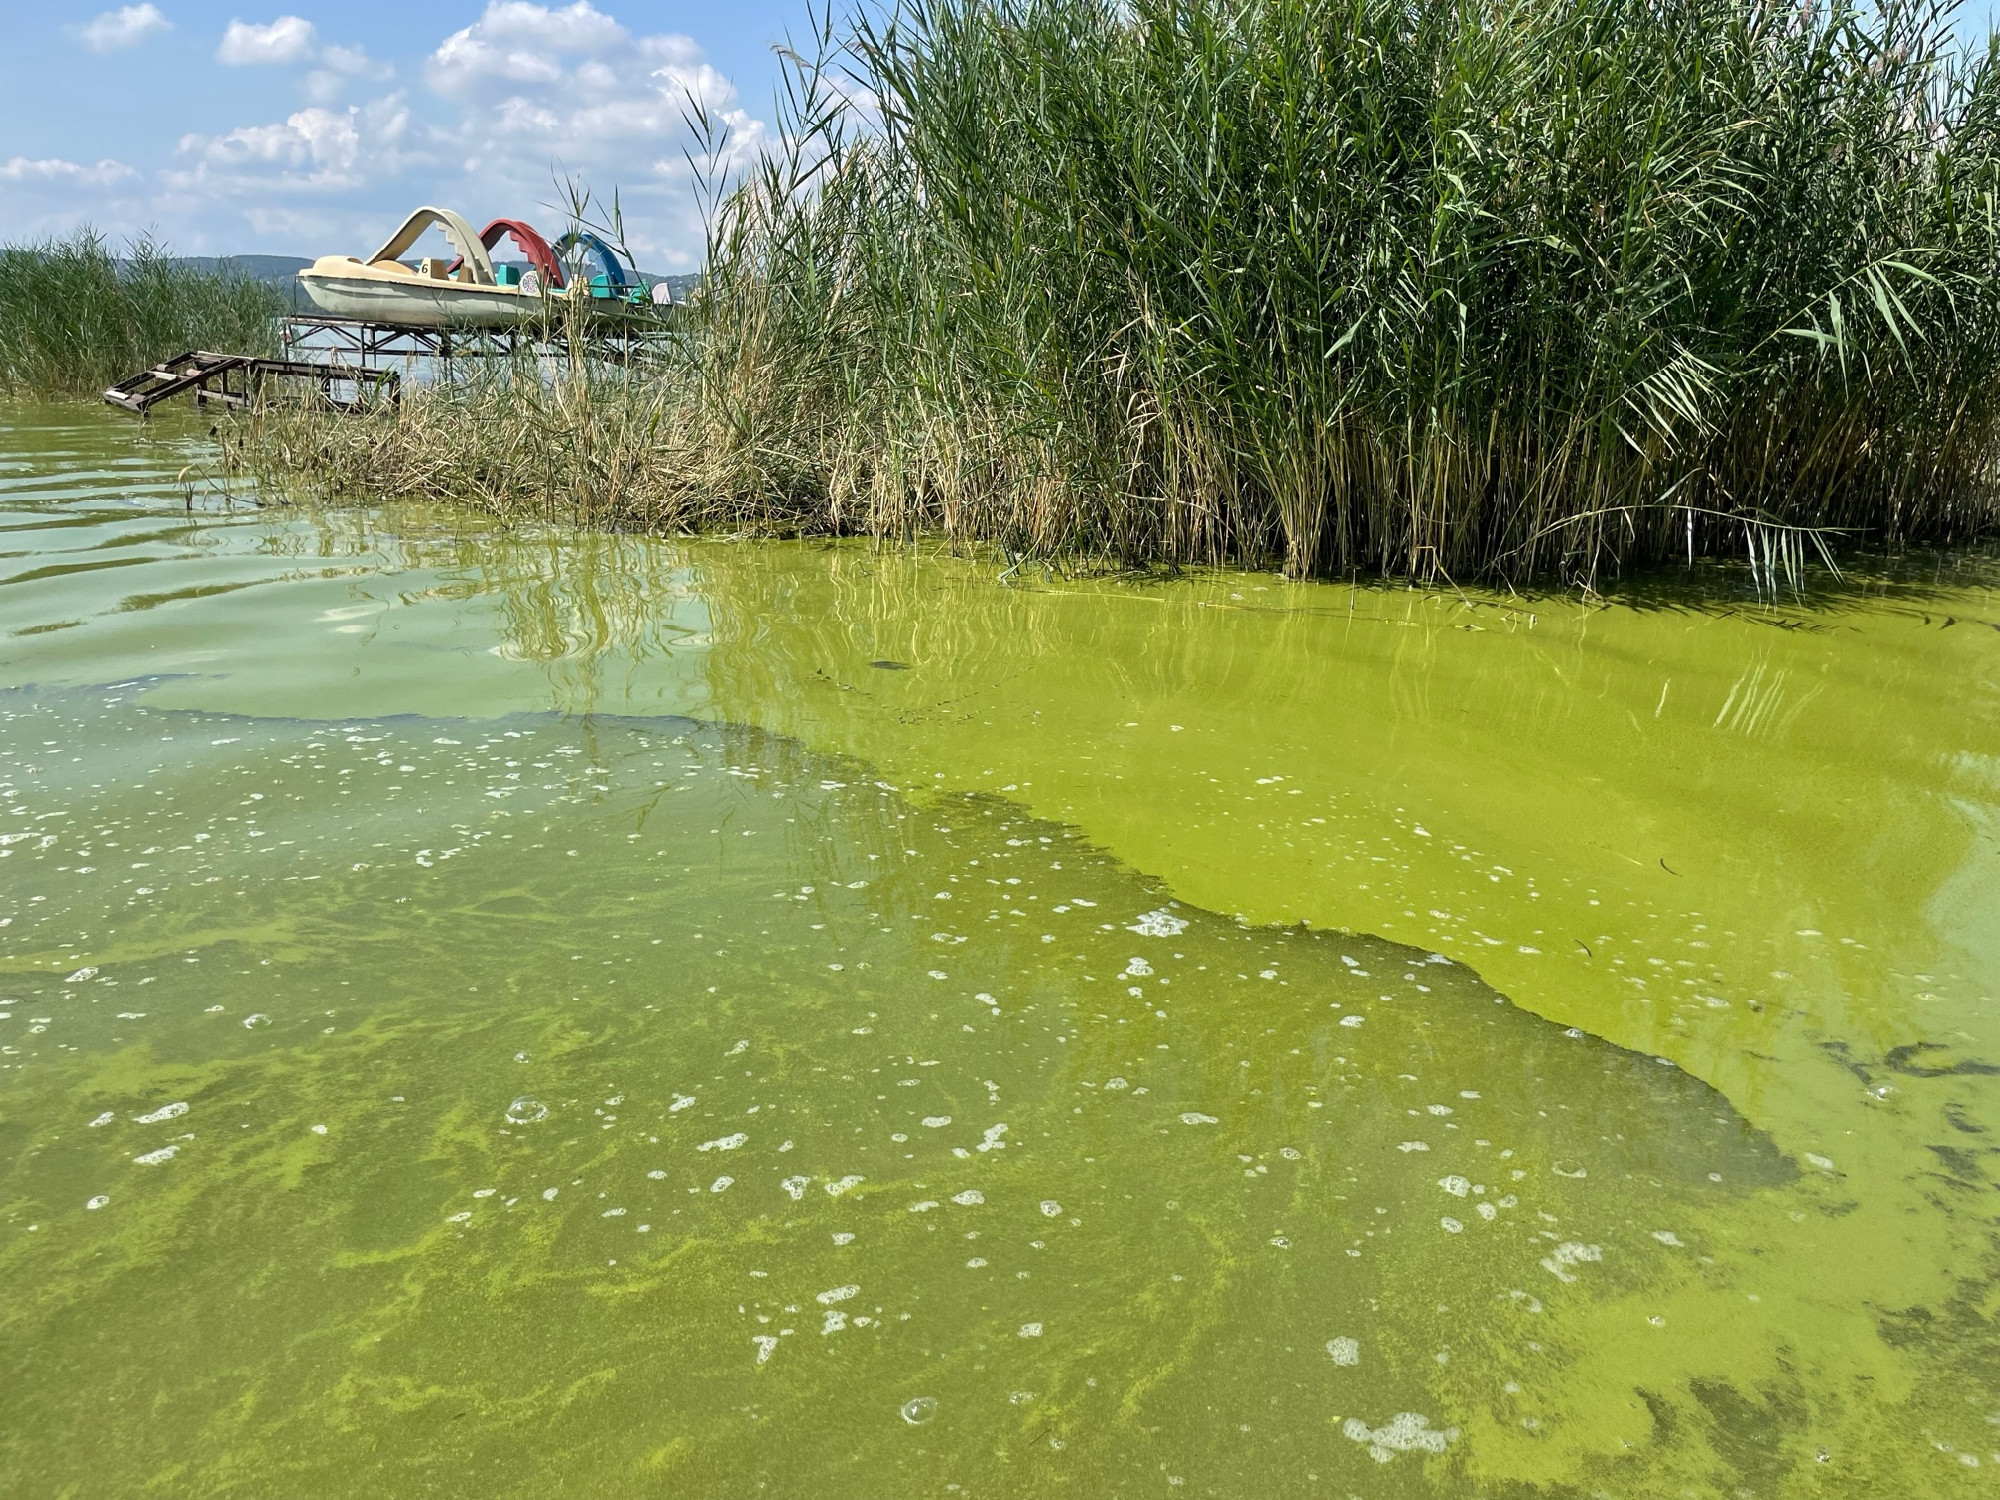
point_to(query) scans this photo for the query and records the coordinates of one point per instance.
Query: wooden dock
(242, 379)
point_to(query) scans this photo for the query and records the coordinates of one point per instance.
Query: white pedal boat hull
(413, 303)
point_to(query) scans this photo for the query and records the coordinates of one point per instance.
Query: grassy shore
(74, 317)
(1520, 289)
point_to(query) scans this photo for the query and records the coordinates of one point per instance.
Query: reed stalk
(74, 317)
(1502, 289)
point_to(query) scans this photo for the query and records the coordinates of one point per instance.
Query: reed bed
(1520, 289)
(74, 317)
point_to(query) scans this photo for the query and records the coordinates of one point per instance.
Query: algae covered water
(518, 1013)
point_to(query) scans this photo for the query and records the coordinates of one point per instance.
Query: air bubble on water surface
(1051, 1208)
(1345, 1351)
(526, 1110)
(1567, 1168)
(919, 1410)
(255, 1020)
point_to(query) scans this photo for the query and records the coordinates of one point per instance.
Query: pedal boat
(464, 293)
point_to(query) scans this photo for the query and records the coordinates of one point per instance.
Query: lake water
(522, 1013)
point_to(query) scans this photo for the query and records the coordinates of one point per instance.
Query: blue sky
(303, 128)
(296, 127)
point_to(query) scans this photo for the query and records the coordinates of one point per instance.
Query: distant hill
(276, 269)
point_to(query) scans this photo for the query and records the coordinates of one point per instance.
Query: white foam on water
(969, 1198)
(88, 971)
(724, 1143)
(1031, 1330)
(720, 1184)
(104, 1119)
(846, 1184)
(612, 1213)
(549, 1193)
(835, 1294)
(1351, 1020)
(1161, 923)
(658, 1175)
(1116, 1083)
(154, 1158)
(681, 1101)
(1414, 1146)
(842, 1237)
(1406, 1432)
(1193, 1117)
(795, 1186)
(98, 1202)
(1451, 1225)
(936, 1122)
(458, 1218)
(766, 1346)
(1344, 1350)
(484, 1192)
(924, 1207)
(1137, 968)
(1457, 1186)
(1668, 1237)
(1568, 1254)
(1051, 1208)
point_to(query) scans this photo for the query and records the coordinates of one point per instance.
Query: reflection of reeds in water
(1522, 290)
(74, 317)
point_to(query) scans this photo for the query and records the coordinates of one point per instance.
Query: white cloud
(354, 62)
(125, 27)
(289, 39)
(52, 169)
(526, 92)
(316, 151)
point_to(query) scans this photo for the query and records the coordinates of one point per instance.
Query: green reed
(1514, 289)
(74, 317)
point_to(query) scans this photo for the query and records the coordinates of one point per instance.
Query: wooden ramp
(240, 379)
